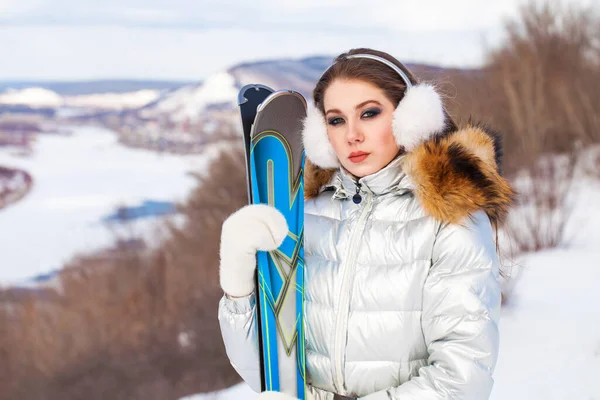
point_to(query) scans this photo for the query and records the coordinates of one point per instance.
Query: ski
(249, 98)
(275, 160)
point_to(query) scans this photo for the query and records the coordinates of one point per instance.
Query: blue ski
(276, 165)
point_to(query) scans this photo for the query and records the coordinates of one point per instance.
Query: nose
(354, 134)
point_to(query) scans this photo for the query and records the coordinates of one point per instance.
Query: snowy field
(550, 330)
(78, 180)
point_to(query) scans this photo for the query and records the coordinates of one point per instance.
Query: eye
(371, 113)
(335, 121)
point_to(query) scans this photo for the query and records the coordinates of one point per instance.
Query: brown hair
(370, 71)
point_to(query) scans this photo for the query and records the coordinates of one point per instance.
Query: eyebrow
(335, 110)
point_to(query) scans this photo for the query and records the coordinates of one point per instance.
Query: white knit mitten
(251, 228)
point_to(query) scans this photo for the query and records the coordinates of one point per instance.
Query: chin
(360, 170)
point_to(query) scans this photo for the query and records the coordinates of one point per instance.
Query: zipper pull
(357, 198)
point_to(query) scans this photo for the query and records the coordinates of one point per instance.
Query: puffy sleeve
(461, 310)
(237, 318)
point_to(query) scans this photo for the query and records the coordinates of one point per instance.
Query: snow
(550, 328)
(114, 101)
(191, 101)
(188, 102)
(77, 181)
(240, 391)
(550, 339)
(34, 97)
(174, 100)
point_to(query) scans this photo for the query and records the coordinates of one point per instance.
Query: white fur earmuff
(317, 147)
(418, 116)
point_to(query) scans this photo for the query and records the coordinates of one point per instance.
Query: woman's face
(358, 117)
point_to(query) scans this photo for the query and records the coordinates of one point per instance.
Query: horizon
(174, 81)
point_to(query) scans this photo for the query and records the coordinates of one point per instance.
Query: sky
(191, 39)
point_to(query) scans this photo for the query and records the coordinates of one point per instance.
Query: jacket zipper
(343, 308)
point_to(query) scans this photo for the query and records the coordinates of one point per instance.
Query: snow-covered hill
(37, 97)
(192, 102)
(219, 91)
(188, 102)
(113, 101)
(34, 97)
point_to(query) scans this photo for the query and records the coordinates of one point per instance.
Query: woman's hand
(249, 229)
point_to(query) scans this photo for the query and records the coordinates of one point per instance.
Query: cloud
(186, 39)
(68, 53)
(267, 15)
(16, 8)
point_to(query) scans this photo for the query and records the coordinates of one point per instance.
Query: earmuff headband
(382, 60)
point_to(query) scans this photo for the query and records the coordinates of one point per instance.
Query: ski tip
(243, 93)
(278, 94)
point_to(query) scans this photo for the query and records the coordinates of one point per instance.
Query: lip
(358, 156)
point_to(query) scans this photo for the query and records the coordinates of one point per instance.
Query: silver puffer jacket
(402, 290)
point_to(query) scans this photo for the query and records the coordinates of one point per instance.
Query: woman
(402, 277)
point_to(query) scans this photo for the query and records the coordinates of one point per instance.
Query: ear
(316, 142)
(419, 115)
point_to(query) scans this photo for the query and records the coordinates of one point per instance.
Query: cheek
(385, 135)
(337, 141)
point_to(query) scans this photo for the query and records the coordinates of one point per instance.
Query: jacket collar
(389, 179)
